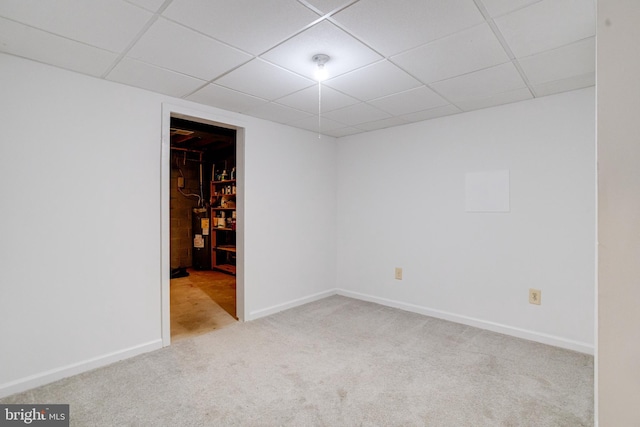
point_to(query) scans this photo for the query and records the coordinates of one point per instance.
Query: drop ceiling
(392, 62)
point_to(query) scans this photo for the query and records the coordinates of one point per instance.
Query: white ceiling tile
(227, 99)
(253, 26)
(150, 5)
(356, 114)
(393, 27)
(480, 84)
(311, 123)
(21, 40)
(345, 131)
(374, 81)
(326, 6)
(346, 52)
(107, 24)
(409, 101)
(564, 85)
(572, 60)
(500, 7)
(382, 124)
(277, 113)
(445, 44)
(307, 99)
(150, 77)
(460, 53)
(261, 79)
(548, 24)
(496, 99)
(181, 49)
(432, 113)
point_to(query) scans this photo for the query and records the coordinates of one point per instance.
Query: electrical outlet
(398, 273)
(535, 296)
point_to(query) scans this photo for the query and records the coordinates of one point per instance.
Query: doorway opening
(202, 226)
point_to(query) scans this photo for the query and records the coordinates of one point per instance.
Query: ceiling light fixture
(321, 74)
(320, 59)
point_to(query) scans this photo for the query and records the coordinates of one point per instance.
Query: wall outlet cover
(535, 296)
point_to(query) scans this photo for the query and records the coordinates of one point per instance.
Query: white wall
(401, 203)
(290, 218)
(80, 244)
(618, 355)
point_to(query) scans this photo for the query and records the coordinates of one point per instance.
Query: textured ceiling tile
(227, 99)
(21, 40)
(480, 84)
(495, 99)
(374, 81)
(410, 101)
(356, 114)
(107, 24)
(564, 85)
(326, 6)
(307, 99)
(277, 113)
(150, 77)
(382, 124)
(429, 41)
(500, 7)
(311, 123)
(572, 60)
(395, 26)
(451, 56)
(253, 26)
(181, 49)
(150, 5)
(548, 24)
(345, 131)
(261, 79)
(445, 110)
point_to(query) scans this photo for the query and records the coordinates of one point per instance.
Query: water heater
(201, 229)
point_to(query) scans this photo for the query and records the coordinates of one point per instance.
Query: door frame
(199, 116)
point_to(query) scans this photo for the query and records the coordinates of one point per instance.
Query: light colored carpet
(335, 362)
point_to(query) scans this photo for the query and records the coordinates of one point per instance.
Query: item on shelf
(223, 224)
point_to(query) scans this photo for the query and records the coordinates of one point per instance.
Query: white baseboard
(56, 374)
(290, 304)
(478, 323)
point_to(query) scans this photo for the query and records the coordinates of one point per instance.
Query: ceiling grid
(392, 63)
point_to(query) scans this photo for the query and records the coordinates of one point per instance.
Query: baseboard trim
(478, 323)
(253, 315)
(56, 374)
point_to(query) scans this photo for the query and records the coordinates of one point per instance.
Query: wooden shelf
(223, 247)
(229, 268)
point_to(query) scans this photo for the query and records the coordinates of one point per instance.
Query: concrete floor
(202, 302)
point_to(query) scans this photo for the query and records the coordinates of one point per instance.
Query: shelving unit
(223, 231)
